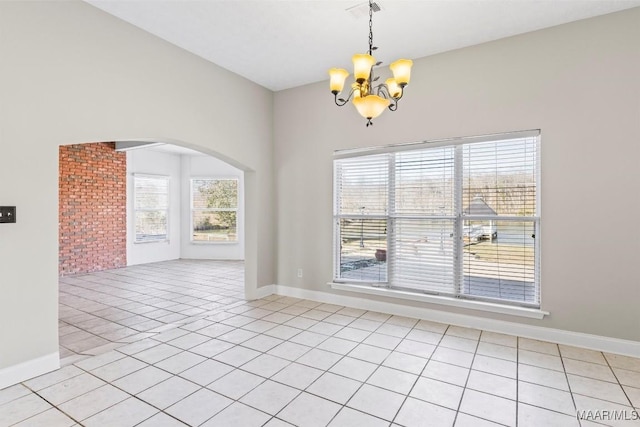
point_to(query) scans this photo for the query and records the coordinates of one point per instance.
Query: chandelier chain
(370, 27)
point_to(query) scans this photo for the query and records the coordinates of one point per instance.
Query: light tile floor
(175, 343)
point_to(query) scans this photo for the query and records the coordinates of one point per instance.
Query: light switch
(7, 214)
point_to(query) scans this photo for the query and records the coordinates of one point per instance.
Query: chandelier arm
(343, 101)
(394, 105)
(383, 90)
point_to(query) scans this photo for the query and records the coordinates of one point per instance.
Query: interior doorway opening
(132, 210)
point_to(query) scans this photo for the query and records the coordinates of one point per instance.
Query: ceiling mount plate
(362, 9)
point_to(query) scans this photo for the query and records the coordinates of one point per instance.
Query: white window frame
(166, 178)
(462, 300)
(192, 209)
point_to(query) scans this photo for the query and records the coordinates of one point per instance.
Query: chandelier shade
(338, 76)
(401, 70)
(370, 106)
(394, 88)
(362, 64)
(369, 98)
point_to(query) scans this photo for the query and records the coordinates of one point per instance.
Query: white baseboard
(532, 313)
(577, 339)
(30, 369)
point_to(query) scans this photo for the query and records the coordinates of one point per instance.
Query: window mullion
(457, 237)
(337, 238)
(391, 226)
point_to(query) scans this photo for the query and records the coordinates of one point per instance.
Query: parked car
(478, 232)
(471, 233)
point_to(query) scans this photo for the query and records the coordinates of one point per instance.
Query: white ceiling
(282, 44)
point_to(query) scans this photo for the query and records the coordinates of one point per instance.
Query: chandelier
(370, 99)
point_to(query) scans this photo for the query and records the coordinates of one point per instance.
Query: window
(457, 219)
(151, 206)
(214, 210)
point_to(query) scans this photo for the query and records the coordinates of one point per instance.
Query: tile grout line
(160, 279)
(421, 372)
(52, 407)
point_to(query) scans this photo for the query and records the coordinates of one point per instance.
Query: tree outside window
(214, 210)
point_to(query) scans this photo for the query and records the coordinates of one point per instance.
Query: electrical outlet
(299, 272)
(7, 214)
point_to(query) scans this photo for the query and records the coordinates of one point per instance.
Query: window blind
(424, 220)
(362, 185)
(455, 219)
(151, 206)
(361, 218)
(499, 207)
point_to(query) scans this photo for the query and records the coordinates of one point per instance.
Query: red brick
(92, 212)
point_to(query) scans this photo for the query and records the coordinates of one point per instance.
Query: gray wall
(579, 83)
(70, 73)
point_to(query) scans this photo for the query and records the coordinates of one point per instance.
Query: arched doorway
(99, 229)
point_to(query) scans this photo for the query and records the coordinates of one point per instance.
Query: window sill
(532, 313)
(197, 243)
(145, 242)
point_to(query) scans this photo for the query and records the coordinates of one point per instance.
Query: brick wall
(92, 212)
